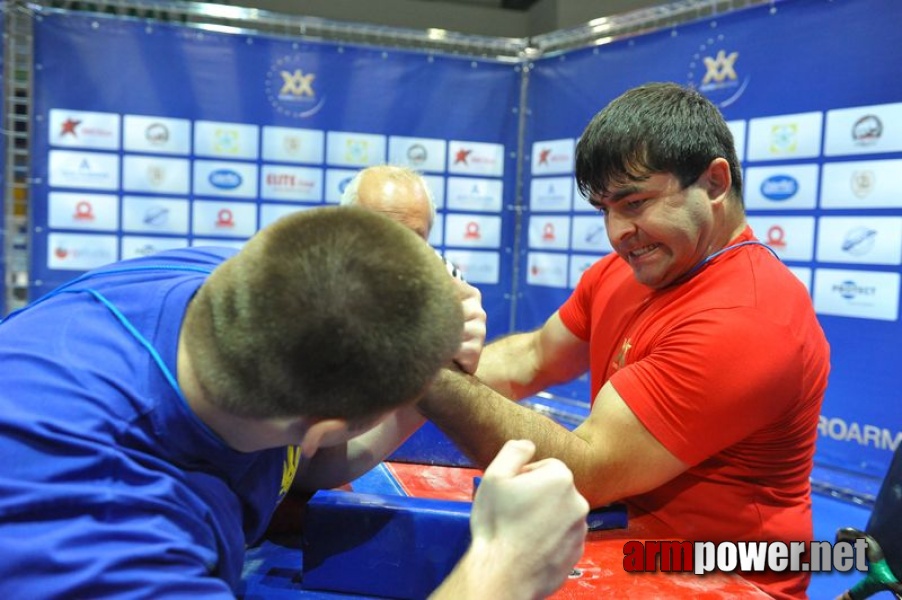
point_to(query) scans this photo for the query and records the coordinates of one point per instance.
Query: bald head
(396, 192)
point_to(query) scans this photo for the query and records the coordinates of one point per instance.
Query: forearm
(338, 465)
(479, 420)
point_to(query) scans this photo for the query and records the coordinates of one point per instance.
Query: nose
(619, 227)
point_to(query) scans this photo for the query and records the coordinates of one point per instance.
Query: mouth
(638, 253)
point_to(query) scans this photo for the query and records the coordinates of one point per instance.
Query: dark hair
(654, 128)
(336, 312)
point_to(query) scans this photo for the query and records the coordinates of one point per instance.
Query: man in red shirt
(707, 362)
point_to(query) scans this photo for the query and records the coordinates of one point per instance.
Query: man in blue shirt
(154, 411)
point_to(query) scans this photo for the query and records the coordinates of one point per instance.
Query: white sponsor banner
(221, 178)
(336, 182)
(787, 187)
(862, 184)
(156, 135)
(155, 215)
(792, 238)
(134, 246)
(237, 244)
(155, 175)
(804, 275)
(471, 193)
(860, 294)
(551, 157)
(578, 265)
(436, 185)
(293, 184)
(864, 130)
(737, 129)
(81, 129)
(83, 170)
(293, 145)
(552, 194)
(437, 233)
(226, 140)
(475, 158)
(473, 231)
(228, 219)
(785, 136)
(547, 269)
(864, 240)
(83, 211)
(270, 213)
(422, 154)
(354, 149)
(550, 233)
(477, 266)
(80, 251)
(589, 234)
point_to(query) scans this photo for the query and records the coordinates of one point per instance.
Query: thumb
(512, 457)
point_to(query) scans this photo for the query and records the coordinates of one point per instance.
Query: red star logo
(69, 128)
(543, 156)
(461, 156)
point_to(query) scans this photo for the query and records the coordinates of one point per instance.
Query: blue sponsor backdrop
(777, 69)
(791, 58)
(93, 73)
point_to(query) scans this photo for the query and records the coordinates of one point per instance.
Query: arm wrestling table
(273, 570)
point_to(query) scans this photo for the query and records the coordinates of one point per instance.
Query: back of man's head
(654, 128)
(398, 192)
(336, 312)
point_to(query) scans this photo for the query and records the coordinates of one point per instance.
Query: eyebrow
(617, 196)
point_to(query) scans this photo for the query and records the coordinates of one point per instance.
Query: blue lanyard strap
(708, 259)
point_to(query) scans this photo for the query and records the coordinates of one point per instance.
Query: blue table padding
(429, 446)
(382, 545)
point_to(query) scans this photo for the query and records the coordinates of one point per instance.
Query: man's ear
(320, 433)
(717, 179)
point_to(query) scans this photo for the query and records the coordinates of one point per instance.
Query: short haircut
(654, 128)
(335, 312)
(351, 194)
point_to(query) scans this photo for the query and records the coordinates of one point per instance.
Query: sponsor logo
(462, 157)
(720, 79)
(83, 211)
(862, 183)
(291, 144)
(225, 179)
(867, 130)
(288, 181)
(156, 175)
(357, 151)
(776, 237)
(343, 184)
(850, 290)
(417, 154)
(784, 138)
(779, 187)
(226, 141)
(225, 219)
(156, 134)
(864, 435)
(290, 87)
(471, 231)
(859, 241)
(156, 216)
(69, 127)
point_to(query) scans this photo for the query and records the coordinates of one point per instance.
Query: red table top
(599, 574)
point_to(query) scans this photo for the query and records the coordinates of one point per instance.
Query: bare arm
(522, 364)
(611, 454)
(337, 465)
(529, 526)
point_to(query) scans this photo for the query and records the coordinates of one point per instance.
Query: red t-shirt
(727, 370)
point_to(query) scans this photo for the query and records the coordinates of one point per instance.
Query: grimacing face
(659, 229)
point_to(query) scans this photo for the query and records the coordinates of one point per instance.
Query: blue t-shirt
(110, 486)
